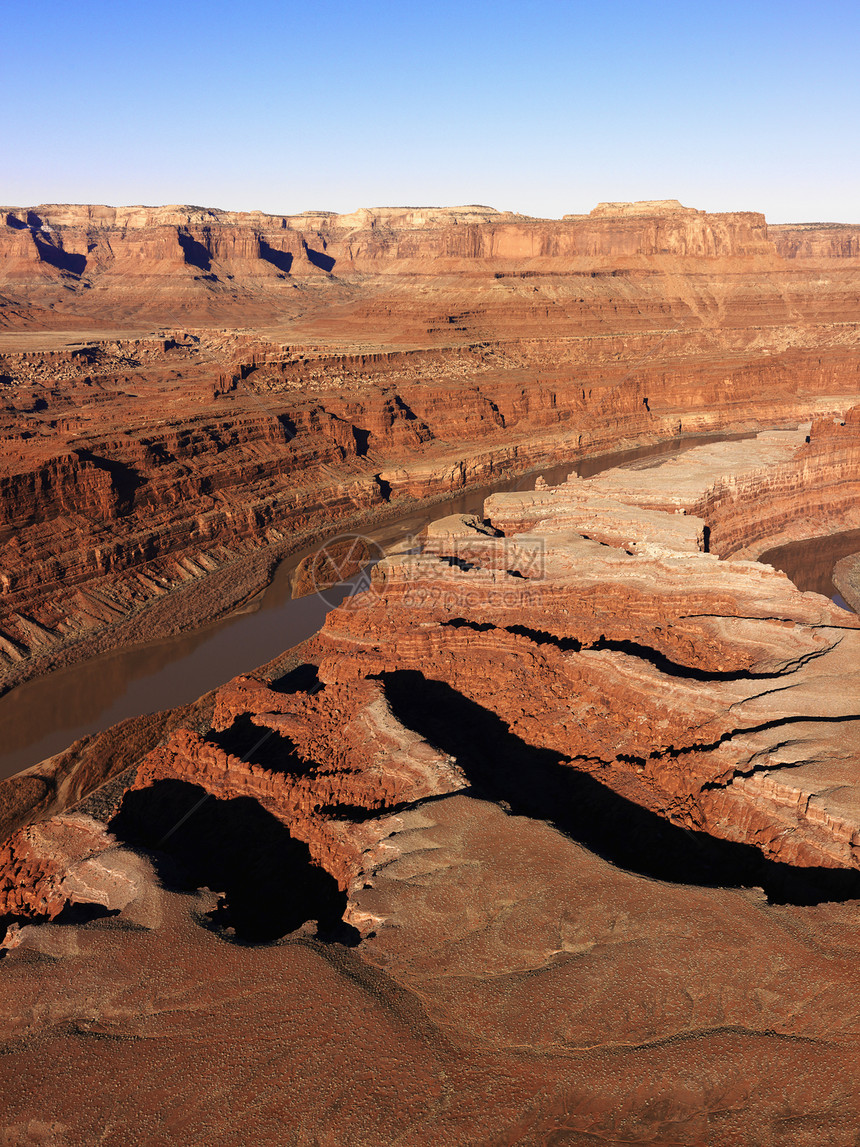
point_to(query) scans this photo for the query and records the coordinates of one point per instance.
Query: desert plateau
(429, 677)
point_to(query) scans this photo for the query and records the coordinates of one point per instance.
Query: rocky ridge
(543, 769)
(548, 837)
(338, 368)
(587, 632)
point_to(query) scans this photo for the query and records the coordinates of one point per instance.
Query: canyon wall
(193, 258)
(99, 241)
(578, 642)
(565, 801)
(816, 240)
(815, 492)
(337, 368)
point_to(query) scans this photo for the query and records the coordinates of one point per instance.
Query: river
(810, 563)
(45, 715)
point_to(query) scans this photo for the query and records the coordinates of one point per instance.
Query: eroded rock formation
(547, 765)
(847, 578)
(334, 368)
(551, 834)
(578, 632)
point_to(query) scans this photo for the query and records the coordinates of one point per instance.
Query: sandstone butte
(552, 835)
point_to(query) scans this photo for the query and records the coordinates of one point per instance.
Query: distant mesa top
(143, 264)
(643, 207)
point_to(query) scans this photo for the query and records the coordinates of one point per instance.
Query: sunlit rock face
(518, 812)
(191, 393)
(550, 835)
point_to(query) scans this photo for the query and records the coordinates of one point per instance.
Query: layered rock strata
(589, 635)
(543, 769)
(580, 778)
(752, 496)
(331, 368)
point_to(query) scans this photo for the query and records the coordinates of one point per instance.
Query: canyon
(386, 356)
(552, 832)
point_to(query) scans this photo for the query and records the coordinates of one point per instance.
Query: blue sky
(545, 107)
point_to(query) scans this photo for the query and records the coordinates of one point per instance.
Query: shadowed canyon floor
(549, 836)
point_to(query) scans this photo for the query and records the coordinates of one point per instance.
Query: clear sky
(539, 106)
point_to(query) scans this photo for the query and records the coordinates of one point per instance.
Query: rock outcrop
(65, 861)
(585, 791)
(250, 380)
(551, 834)
(708, 691)
(580, 639)
(846, 578)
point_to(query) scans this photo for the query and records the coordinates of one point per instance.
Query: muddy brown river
(44, 716)
(810, 563)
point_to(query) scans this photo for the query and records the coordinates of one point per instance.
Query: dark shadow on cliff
(258, 745)
(196, 255)
(124, 480)
(302, 679)
(268, 883)
(318, 259)
(535, 782)
(283, 260)
(632, 648)
(72, 914)
(62, 260)
(362, 439)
